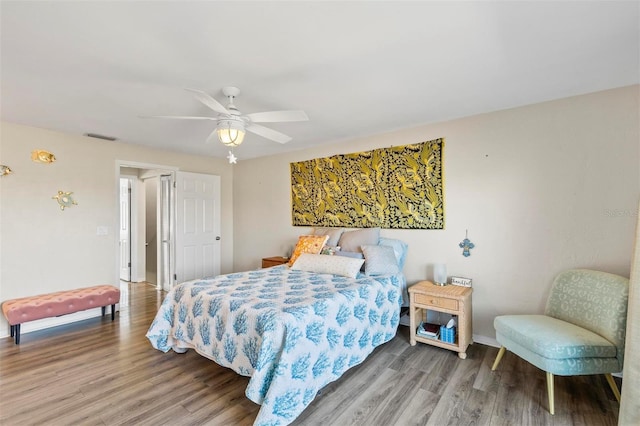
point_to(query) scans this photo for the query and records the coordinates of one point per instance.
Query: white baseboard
(36, 325)
(484, 340)
(404, 320)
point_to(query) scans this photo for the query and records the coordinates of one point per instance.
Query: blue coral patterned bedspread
(291, 331)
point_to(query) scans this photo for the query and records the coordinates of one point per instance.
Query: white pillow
(323, 264)
(380, 260)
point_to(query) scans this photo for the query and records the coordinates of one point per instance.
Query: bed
(290, 329)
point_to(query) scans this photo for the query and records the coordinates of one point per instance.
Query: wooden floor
(98, 372)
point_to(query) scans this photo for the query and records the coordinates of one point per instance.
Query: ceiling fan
(232, 125)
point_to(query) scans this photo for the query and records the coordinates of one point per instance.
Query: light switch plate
(102, 230)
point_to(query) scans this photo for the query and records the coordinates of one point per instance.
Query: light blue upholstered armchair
(582, 331)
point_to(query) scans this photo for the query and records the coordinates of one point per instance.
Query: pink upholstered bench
(18, 311)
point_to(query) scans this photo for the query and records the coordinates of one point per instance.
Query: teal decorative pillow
(330, 250)
(321, 264)
(380, 260)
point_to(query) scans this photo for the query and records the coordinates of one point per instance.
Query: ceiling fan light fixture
(230, 132)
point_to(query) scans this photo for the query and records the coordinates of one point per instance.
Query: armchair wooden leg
(498, 358)
(550, 392)
(613, 385)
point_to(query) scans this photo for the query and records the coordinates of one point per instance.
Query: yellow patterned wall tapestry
(395, 188)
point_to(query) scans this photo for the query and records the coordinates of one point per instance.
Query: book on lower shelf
(429, 330)
(428, 336)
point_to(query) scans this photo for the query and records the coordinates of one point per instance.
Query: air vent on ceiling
(99, 136)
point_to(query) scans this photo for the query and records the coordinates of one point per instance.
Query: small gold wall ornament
(42, 156)
(65, 199)
(5, 170)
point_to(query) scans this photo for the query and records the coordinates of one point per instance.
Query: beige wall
(44, 249)
(540, 189)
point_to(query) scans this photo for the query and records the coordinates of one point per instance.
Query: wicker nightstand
(455, 300)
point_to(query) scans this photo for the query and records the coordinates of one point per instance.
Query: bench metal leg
(12, 330)
(17, 333)
(113, 311)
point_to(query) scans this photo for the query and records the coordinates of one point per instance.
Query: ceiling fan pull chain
(232, 158)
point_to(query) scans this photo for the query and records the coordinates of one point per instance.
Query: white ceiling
(357, 68)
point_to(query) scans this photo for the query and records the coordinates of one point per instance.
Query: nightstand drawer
(442, 302)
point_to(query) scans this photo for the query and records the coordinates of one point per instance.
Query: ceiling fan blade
(206, 99)
(268, 133)
(178, 117)
(213, 137)
(277, 116)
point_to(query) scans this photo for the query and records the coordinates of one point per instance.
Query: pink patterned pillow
(308, 244)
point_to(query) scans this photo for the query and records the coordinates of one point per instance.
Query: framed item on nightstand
(464, 282)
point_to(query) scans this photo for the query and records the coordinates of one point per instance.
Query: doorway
(173, 224)
(146, 206)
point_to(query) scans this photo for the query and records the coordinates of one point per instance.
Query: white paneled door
(197, 226)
